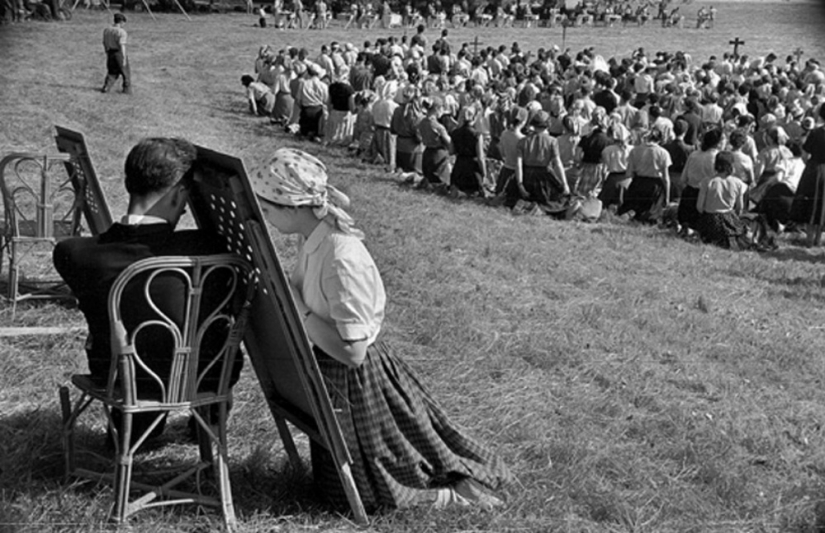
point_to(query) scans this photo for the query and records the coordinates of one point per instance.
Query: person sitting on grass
(649, 189)
(405, 450)
(720, 202)
(158, 174)
(260, 97)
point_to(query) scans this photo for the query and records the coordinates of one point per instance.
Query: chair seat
(146, 401)
(28, 230)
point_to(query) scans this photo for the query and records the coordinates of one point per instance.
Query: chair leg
(220, 461)
(67, 433)
(289, 444)
(124, 461)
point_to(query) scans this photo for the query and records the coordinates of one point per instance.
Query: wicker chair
(199, 305)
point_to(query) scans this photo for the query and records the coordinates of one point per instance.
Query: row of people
(385, 101)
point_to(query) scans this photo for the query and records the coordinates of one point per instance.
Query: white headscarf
(295, 178)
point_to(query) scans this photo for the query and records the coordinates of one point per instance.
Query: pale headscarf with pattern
(295, 178)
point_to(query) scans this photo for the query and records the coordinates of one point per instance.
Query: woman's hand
(523, 191)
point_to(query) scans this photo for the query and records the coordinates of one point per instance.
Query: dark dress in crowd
(467, 175)
(807, 204)
(537, 151)
(435, 162)
(408, 148)
(647, 165)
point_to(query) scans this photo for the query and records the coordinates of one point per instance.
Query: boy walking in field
(117, 63)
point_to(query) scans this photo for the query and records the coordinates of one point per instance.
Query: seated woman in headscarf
(768, 161)
(539, 175)
(435, 162)
(404, 125)
(720, 202)
(468, 144)
(614, 159)
(649, 189)
(405, 450)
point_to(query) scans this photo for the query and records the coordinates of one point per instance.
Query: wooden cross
(736, 42)
(798, 53)
(475, 45)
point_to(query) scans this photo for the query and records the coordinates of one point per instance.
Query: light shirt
(312, 92)
(382, 112)
(699, 168)
(721, 195)
(649, 161)
(615, 157)
(340, 283)
(141, 220)
(507, 145)
(114, 38)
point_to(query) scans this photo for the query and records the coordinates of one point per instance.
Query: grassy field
(634, 382)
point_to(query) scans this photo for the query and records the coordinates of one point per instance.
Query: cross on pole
(798, 53)
(475, 45)
(736, 42)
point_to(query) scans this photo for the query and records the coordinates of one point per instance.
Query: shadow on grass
(32, 469)
(804, 255)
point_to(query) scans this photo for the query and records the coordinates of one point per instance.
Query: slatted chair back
(84, 179)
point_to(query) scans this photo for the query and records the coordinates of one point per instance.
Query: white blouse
(340, 283)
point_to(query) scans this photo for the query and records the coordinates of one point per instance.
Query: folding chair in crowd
(223, 201)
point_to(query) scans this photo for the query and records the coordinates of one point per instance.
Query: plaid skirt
(645, 196)
(723, 229)
(590, 180)
(403, 446)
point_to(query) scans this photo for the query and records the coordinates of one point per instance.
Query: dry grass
(633, 381)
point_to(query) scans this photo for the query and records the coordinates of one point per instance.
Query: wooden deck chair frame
(223, 201)
(84, 179)
(180, 389)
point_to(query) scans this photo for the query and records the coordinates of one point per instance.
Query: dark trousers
(115, 68)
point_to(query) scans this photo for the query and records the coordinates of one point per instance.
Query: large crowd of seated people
(728, 149)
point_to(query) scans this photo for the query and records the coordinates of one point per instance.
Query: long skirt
(467, 175)
(614, 184)
(435, 163)
(283, 107)
(688, 215)
(402, 444)
(408, 161)
(590, 179)
(725, 230)
(541, 184)
(339, 128)
(807, 203)
(310, 121)
(776, 205)
(506, 175)
(645, 196)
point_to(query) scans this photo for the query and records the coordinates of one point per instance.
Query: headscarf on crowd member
(294, 178)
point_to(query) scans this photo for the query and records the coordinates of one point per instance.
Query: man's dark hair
(120, 17)
(156, 164)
